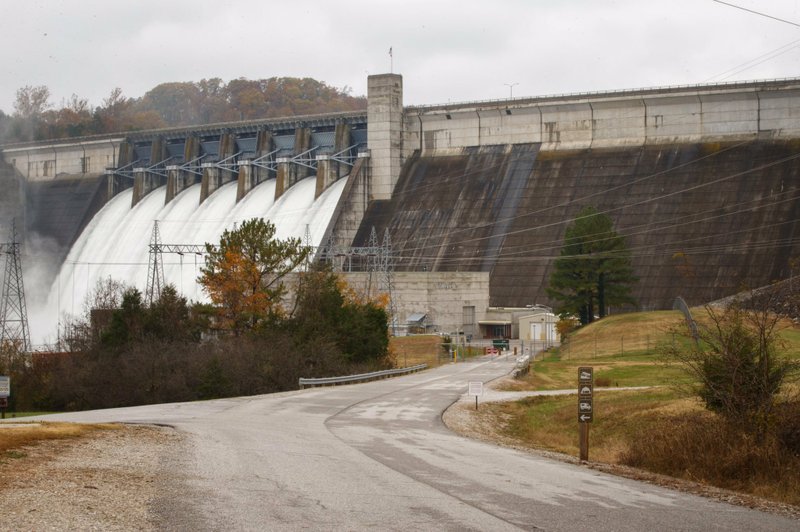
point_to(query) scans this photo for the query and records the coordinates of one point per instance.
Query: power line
(615, 209)
(757, 13)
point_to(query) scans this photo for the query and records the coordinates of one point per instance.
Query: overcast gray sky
(446, 50)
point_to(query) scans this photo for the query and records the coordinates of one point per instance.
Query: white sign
(5, 386)
(475, 388)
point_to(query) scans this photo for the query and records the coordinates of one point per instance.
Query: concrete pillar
(115, 184)
(287, 176)
(385, 131)
(191, 149)
(158, 150)
(326, 174)
(342, 141)
(264, 145)
(302, 142)
(247, 179)
(227, 145)
(125, 155)
(211, 180)
(144, 183)
(177, 181)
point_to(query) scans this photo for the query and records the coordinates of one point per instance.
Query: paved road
(377, 456)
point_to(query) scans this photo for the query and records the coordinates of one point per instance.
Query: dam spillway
(702, 181)
(115, 244)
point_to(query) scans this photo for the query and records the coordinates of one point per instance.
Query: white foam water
(116, 242)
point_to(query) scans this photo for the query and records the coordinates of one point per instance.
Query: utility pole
(13, 309)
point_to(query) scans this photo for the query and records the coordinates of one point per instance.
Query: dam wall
(726, 112)
(43, 161)
(702, 220)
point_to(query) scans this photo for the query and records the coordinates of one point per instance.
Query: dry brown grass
(622, 333)
(413, 350)
(664, 432)
(704, 448)
(17, 435)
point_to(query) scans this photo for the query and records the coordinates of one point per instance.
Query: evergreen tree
(593, 270)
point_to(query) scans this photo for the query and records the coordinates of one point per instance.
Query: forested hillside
(34, 117)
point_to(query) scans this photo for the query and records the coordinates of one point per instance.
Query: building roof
(417, 317)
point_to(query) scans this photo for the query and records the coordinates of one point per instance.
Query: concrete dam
(702, 182)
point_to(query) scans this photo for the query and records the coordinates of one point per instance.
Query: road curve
(377, 456)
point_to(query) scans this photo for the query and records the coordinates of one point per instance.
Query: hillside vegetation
(664, 428)
(206, 101)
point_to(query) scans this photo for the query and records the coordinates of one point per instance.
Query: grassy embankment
(664, 429)
(424, 349)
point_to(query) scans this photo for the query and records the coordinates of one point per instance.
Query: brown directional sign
(585, 391)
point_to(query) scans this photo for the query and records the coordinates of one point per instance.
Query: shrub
(737, 363)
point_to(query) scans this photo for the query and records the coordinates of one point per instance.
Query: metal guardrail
(363, 377)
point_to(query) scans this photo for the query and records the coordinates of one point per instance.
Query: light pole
(510, 89)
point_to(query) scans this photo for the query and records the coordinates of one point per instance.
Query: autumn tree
(244, 274)
(593, 270)
(29, 107)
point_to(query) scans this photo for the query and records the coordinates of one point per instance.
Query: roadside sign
(5, 386)
(475, 388)
(585, 392)
(585, 408)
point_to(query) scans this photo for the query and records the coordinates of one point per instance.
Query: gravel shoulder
(109, 480)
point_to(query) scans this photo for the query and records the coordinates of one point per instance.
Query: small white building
(534, 323)
(539, 327)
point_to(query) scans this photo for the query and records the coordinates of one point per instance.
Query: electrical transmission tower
(155, 268)
(13, 310)
(375, 259)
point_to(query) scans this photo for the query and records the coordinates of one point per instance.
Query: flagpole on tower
(391, 61)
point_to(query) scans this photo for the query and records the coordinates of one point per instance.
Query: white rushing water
(116, 242)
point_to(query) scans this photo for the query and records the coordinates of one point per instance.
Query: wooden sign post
(585, 408)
